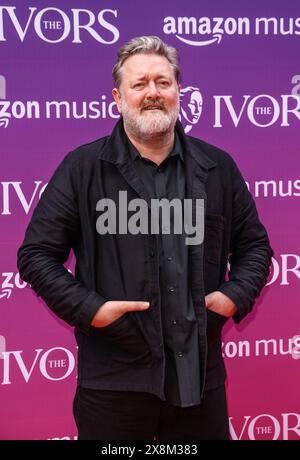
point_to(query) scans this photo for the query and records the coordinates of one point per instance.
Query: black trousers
(129, 415)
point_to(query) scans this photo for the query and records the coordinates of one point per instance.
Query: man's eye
(138, 85)
(163, 83)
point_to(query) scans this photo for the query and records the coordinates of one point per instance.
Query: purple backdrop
(55, 94)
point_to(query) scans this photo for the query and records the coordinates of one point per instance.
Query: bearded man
(147, 308)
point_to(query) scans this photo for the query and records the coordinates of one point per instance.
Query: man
(147, 307)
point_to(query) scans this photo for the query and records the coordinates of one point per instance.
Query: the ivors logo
(54, 25)
(54, 364)
(266, 427)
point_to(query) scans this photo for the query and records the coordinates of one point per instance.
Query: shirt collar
(114, 148)
(177, 149)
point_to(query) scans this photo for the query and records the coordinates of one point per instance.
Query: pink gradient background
(32, 148)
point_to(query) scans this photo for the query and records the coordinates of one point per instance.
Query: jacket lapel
(116, 151)
(197, 162)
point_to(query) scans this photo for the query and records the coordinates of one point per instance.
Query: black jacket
(128, 354)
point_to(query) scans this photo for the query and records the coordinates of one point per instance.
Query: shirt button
(174, 321)
(171, 289)
(179, 354)
(169, 258)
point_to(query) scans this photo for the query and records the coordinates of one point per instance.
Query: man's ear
(117, 97)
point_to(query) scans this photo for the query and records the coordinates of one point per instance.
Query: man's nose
(152, 89)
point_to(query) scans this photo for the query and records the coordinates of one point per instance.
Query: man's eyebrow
(147, 76)
(142, 77)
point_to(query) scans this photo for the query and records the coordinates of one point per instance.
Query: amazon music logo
(203, 31)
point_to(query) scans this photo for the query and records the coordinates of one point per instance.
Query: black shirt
(182, 376)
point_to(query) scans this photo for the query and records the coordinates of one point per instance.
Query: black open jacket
(128, 354)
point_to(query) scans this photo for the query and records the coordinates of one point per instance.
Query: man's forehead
(140, 64)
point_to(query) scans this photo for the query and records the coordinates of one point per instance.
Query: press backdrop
(241, 86)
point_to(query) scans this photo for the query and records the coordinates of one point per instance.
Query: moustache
(157, 103)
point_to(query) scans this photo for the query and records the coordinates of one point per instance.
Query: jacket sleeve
(250, 253)
(49, 237)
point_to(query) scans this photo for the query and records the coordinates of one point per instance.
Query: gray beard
(142, 126)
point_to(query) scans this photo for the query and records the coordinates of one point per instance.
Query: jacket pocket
(115, 325)
(120, 342)
(215, 323)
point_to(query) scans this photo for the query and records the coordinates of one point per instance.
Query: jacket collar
(115, 149)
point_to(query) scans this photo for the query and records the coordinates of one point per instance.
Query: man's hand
(112, 310)
(220, 303)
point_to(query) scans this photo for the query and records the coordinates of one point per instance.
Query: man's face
(148, 97)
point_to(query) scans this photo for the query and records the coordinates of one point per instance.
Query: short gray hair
(145, 45)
